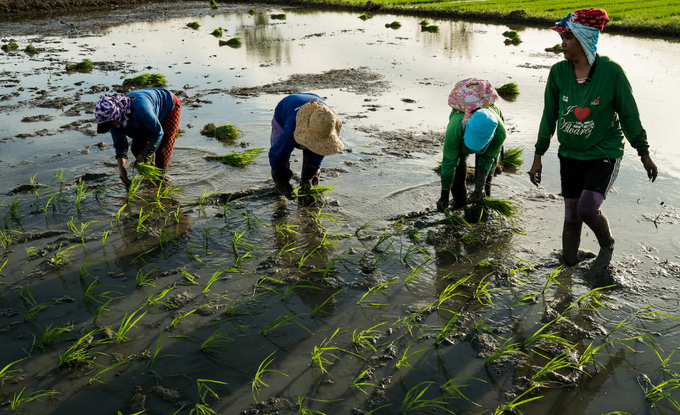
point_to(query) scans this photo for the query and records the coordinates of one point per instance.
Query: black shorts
(596, 175)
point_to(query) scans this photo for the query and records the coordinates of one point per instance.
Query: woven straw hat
(317, 128)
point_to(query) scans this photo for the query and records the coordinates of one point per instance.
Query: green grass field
(654, 17)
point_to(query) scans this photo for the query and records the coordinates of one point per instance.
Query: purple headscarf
(113, 108)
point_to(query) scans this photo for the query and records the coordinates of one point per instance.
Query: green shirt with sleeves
(592, 119)
(454, 146)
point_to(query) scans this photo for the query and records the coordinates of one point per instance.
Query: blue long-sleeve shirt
(149, 107)
(283, 145)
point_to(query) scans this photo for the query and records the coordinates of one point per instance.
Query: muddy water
(391, 95)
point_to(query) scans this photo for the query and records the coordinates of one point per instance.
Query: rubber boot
(459, 194)
(571, 240)
(599, 271)
(282, 178)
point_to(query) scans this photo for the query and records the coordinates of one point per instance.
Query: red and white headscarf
(471, 94)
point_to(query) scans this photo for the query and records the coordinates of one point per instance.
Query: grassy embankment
(659, 17)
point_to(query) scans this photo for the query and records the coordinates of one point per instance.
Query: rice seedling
(252, 12)
(512, 157)
(542, 335)
(13, 212)
(509, 89)
(6, 372)
(380, 288)
(189, 277)
(31, 50)
(81, 194)
(404, 360)
(151, 172)
(146, 79)
(215, 341)
(505, 349)
(414, 401)
(413, 275)
(237, 158)
(451, 291)
(144, 278)
(591, 300)
(430, 28)
(279, 16)
(452, 388)
(424, 22)
(84, 66)
(365, 16)
(234, 42)
(127, 324)
(193, 25)
(216, 276)
(325, 348)
(92, 297)
(444, 333)
(59, 175)
(512, 406)
(557, 49)
(361, 380)
(316, 192)
(80, 231)
(213, 4)
(19, 399)
(282, 321)
(202, 407)
(80, 353)
(305, 256)
(7, 236)
(156, 298)
(319, 307)
(217, 32)
(99, 310)
(394, 25)
(157, 349)
(503, 207)
(559, 362)
(261, 370)
(12, 45)
(184, 316)
(97, 376)
(366, 338)
(63, 257)
(663, 391)
(510, 34)
(483, 292)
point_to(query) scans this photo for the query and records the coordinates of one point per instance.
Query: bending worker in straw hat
(589, 100)
(149, 116)
(476, 125)
(302, 121)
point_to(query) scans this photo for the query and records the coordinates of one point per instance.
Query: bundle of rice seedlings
(252, 12)
(149, 171)
(194, 25)
(511, 34)
(555, 49)
(278, 16)
(455, 219)
(224, 132)
(514, 41)
(512, 157)
(424, 22)
(501, 206)
(438, 168)
(31, 49)
(238, 158)
(234, 42)
(317, 192)
(510, 88)
(213, 4)
(217, 32)
(146, 79)
(430, 28)
(394, 25)
(85, 65)
(365, 16)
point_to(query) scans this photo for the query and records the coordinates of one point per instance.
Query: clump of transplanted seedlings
(194, 25)
(394, 25)
(224, 132)
(234, 42)
(12, 45)
(510, 89)
(83, 66)
(217, 32)
(424, 22)
(279, 16)
(365, 16)
(238, 158)
(30, 49)
(317, 192)
(555, 49)
(512, 157)
(213, 4)
(512, 37)
(430, 28)
(501, 206)
(146, 79)
(438, 168)
(252, 12)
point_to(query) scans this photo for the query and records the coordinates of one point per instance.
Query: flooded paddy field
(211, 294)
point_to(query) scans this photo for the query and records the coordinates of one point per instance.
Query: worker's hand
(650, 167)
(122, 173)
(476, 197)
(443, 202)
(536, 169)
(140, 159)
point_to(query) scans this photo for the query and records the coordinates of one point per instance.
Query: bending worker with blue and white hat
(476, 125)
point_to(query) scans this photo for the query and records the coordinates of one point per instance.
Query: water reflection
(263, 40)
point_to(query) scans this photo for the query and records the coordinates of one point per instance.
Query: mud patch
(405, 143)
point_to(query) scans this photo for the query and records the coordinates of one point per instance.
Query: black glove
(443, 202)
(480, 184)
(310, 176)
(282, 178)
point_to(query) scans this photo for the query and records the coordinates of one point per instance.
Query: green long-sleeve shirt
(592, 119)
(454, 146)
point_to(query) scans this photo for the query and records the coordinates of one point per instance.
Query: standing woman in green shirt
(589, 100)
